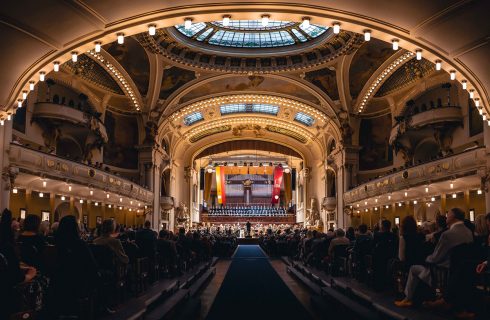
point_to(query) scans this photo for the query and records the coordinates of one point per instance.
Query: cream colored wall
(35, 205)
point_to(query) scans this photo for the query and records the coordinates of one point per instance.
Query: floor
(252, 285)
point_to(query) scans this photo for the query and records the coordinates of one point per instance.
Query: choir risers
(50, 166)
(471, 162)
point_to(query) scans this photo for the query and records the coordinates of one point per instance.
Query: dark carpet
(253, 290)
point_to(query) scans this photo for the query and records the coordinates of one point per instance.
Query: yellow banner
(218, 185)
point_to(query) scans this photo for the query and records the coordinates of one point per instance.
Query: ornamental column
(8, 173)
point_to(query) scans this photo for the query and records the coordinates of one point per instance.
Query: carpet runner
(253, 290)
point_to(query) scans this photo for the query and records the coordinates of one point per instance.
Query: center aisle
(253, 290)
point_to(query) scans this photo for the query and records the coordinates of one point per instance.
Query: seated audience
(384, 248)
(456, 235)
(31, 242)
(108, 239)
(77, 275)
(146, 241)
(340, 239)
(12, 272)
(411, 248)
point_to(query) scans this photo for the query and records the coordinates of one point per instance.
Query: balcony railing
(431, 116)
(458, 165)
(61, 112)
(50, 166)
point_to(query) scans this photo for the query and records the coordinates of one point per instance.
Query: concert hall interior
(197, 159)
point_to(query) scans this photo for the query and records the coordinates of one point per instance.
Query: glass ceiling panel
(193, 118)
(304, 119)
(249, 108)
(251, 33)
(195, 28)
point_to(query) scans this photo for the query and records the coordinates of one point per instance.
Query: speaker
(201, 179)
(293, 179)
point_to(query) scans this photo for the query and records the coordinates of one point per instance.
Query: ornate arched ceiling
(440, 29)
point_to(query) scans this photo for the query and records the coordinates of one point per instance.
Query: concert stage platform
(288, 219)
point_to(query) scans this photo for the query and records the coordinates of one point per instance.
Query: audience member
(456, 235)
(411, 248)
(107, 239)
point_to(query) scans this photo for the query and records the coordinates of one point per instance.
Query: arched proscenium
(349, 18)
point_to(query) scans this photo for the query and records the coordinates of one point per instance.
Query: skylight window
(251, 33)
(249, 108)
(304, 119)
(193, 118)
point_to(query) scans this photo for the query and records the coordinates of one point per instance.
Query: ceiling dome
(251, 33)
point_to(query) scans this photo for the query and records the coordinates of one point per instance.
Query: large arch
(435, 29)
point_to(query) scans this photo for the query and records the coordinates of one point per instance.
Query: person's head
(147, 224)
(441, 222)
(108, 227)
(6, 232)
(67, 231)
(385, 225)
(339, 233)
(363, 229)
(454, 215)
(163, 234)
(408, 226)
(350, 230)
(32, 223)
(481, 227)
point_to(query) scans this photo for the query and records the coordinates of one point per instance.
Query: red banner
(276, 189)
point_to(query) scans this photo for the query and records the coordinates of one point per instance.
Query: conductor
(249, 226)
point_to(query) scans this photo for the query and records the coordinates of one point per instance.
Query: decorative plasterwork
(120, 75)
(368, 92)
(248, 98)
(209, 132)
(167, 46)
(91, 70)
(287, 132)
(261, 122)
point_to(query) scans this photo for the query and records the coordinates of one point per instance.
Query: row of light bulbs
(249, 98)
(433, 198)
(218, 123)
(265, 19)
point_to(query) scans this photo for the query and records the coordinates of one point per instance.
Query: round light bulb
(336, 28)
(74, 56)
(395, 43)
(452, 75)
(152, 29)
(120, 38)
(367, 35)
(98, 46)
(41, 194)
(226, 21)
(306, 22)
(265, 20)
(438, 65)
(418, 54)
(187, 23)
(56, 66)
(464, 84)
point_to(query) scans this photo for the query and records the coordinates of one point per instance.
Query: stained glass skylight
(251, 33)
(249, 108)
(193, 118)
(304, 119)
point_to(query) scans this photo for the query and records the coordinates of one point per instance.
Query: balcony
(166, 203)
(468, 163)
(424, 118)
(39, 164)
(55, 111)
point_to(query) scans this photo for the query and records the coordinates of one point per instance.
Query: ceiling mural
(133, 58)
(173, 79)
(367, 60)
(374, 136)
(123, 138)
(326, 80)
(249, 84)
